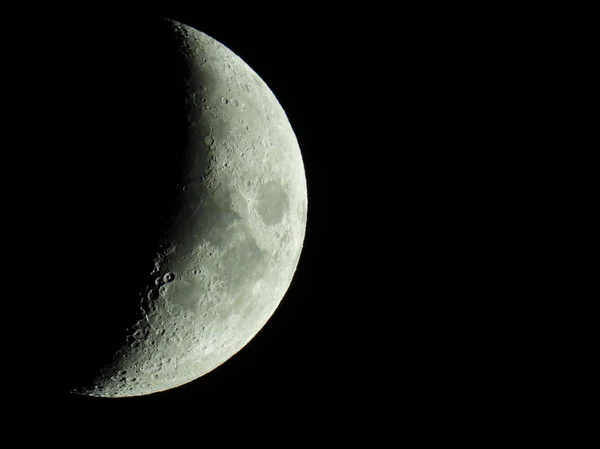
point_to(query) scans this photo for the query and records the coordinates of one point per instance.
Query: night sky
(402, 303)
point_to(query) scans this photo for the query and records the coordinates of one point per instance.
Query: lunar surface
(232, 229)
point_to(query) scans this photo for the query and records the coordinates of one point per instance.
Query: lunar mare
(231, 248)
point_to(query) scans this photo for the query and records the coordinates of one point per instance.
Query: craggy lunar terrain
(232, 227)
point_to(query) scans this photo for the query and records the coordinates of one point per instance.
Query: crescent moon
(231, 248)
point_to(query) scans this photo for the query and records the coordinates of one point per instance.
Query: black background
(404, 308)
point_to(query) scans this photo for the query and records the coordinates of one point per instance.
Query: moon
(229, 249)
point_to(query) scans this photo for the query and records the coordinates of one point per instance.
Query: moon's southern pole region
(229, 252)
